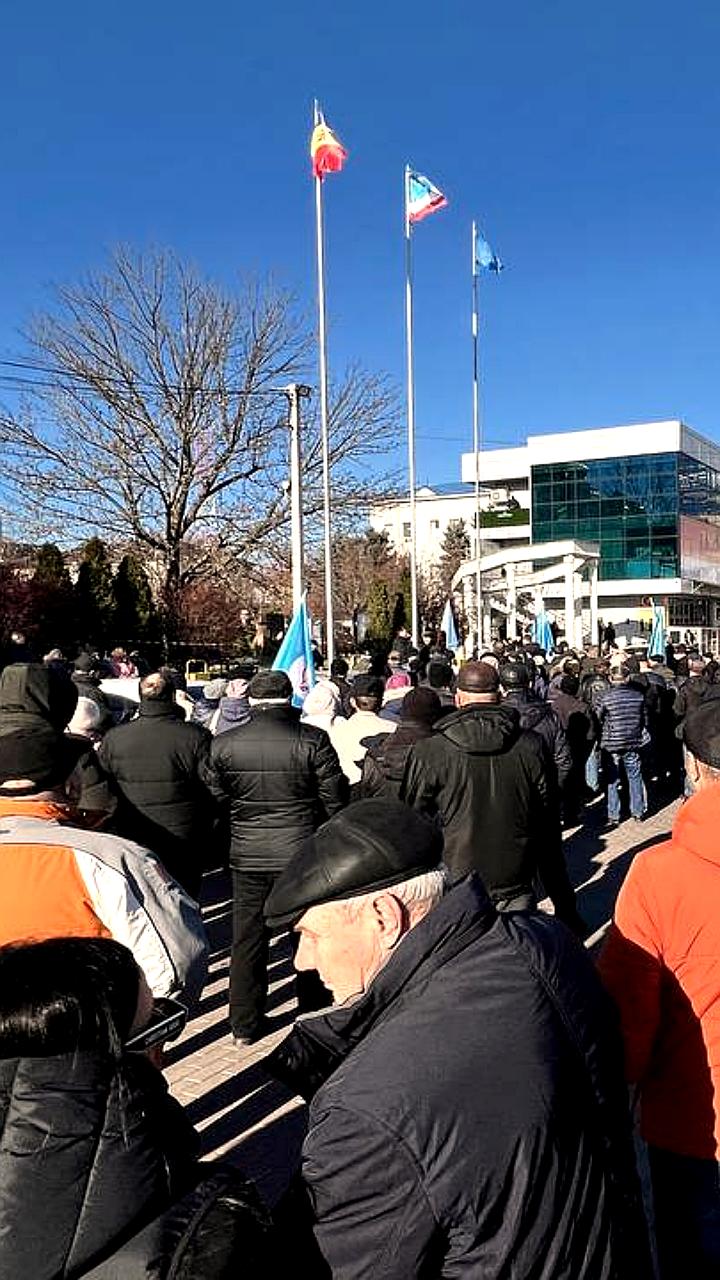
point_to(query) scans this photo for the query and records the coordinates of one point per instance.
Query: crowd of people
(464, 1059)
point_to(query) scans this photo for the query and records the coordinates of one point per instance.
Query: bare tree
(157, 422)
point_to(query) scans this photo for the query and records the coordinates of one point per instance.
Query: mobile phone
(166, 1022)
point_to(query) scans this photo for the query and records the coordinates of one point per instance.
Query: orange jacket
(43, 892)
(661, 964)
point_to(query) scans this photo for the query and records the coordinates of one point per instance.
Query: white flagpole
(476, 434)
(411, 414)
(324, 429)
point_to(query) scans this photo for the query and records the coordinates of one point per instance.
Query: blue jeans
(686, 1199)
(630, 761)
(592, 768)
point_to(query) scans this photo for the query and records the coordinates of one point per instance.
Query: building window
(435, 526)
(628, 505)
(406, 531)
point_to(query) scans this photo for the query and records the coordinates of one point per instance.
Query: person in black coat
(86, 678)
(383, 768)
(537, 714)
(92, 1146)
(159, 764)
(280, 779)
(487, 779)
(467, 1109)
(581, 730)
(36, 706)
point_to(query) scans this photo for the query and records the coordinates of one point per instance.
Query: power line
(124, 382)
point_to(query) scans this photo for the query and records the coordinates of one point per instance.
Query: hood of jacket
(31, 688)
(482, 729)
(235, 710)
(697, 824)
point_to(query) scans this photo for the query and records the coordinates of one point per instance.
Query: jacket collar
(267, 710)
(319, 1043)
(161, 711)
(42, 810)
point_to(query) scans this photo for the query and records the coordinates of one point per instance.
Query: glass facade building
(632, 506)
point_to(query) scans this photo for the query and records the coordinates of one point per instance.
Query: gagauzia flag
(295, 655)
(423, 197)
(327, 152)
(485, 259)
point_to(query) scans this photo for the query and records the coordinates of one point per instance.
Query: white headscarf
(321, 705)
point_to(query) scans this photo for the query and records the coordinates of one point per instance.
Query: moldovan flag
(327, 152)
(423, 197)
(295, 655)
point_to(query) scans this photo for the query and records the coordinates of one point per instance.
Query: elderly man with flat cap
(468, 1115)
(661, 963)
(487, 780)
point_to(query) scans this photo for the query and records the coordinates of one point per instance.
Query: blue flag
(295, 655)
(448, 626)
(658, 641)
(485, 259)
(542, 632)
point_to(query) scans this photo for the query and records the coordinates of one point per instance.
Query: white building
(646, 496)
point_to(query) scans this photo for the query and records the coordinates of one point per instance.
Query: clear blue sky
(585, 138)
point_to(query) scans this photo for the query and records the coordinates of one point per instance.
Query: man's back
(505, 1150)
(622, 714)
(487, 780)
(157, 763)
(282, 779)
(350, 739)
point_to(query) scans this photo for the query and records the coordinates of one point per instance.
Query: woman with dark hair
(92, 1147)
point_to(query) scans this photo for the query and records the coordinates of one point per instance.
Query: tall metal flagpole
(324, 429)
(476, 433)
(411, 414)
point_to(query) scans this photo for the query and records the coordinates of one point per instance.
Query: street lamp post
(296, 392)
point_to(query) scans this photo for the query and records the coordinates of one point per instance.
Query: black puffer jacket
(91, 1150)
(538, 715)
(468, 1114)
(281, 779)
(383, 768)
(159, 764)
(488, 781)
(36, 705)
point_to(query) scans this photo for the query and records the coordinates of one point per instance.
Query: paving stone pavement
(245, 1117)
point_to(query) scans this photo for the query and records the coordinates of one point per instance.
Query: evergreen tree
(52, 598)
(454, 550)
(50, 570)
(379, 630)
(94, 595)
(134, 613)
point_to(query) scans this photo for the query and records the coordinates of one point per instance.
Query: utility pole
(296, 392)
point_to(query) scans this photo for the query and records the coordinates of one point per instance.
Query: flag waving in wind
(485, 259)
(423, 197)
(327, 152)
(295, 655)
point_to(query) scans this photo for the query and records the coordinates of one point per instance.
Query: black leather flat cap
(371, 845)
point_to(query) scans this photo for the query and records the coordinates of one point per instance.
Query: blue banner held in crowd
(448, 626)
(295, 655)
(542, 632)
